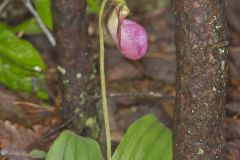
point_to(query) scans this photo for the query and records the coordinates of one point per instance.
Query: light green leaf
(29, 27)
(3, 26)
(146, 139)
(20, 51)
(43, 8)
(69, 146)
(19, 79)
(93, 6)
(37, 154)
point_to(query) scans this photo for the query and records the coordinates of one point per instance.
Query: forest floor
(139, 85)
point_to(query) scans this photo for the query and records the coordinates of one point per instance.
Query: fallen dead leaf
(15, 139)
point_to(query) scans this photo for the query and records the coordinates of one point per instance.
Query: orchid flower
(129, 36)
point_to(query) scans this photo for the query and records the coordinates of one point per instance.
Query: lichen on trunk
(78, 75)
(201, 45)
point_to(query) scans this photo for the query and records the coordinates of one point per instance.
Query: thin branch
(53, 131)
(35, 106)
(149, 94)
(234, 49)
(30, 7)
(141, 94)
(4, 4)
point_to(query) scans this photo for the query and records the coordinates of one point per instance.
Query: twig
(53, 131)
(234, 49)
(143, 94)
(50, 37)
(35, 106)
(4, 4)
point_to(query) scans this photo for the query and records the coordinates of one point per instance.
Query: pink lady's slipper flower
(129, 36)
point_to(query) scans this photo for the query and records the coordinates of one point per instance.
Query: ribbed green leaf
(146, 139)
(20, 52)
(69, 146)
(28, 27)
(19, 79)
(44, 10)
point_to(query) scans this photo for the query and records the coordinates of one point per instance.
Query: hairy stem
(103, 83)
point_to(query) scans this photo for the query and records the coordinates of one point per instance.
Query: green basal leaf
(28, 27)
(19, 79)
(146, 139)
(37, 154)
(43, 8)
(93, 6)
(20, 64)
(3, 26)
(20, 51)
(69, 146)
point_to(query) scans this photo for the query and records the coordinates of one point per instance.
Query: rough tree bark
(201, 45)
(77, 69)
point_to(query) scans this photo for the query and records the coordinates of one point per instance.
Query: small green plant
(146, 138)
(21, 66)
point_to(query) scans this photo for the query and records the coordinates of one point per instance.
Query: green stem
(103, 83)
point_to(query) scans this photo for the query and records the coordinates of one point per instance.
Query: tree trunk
(201, 45)
(78, 78)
